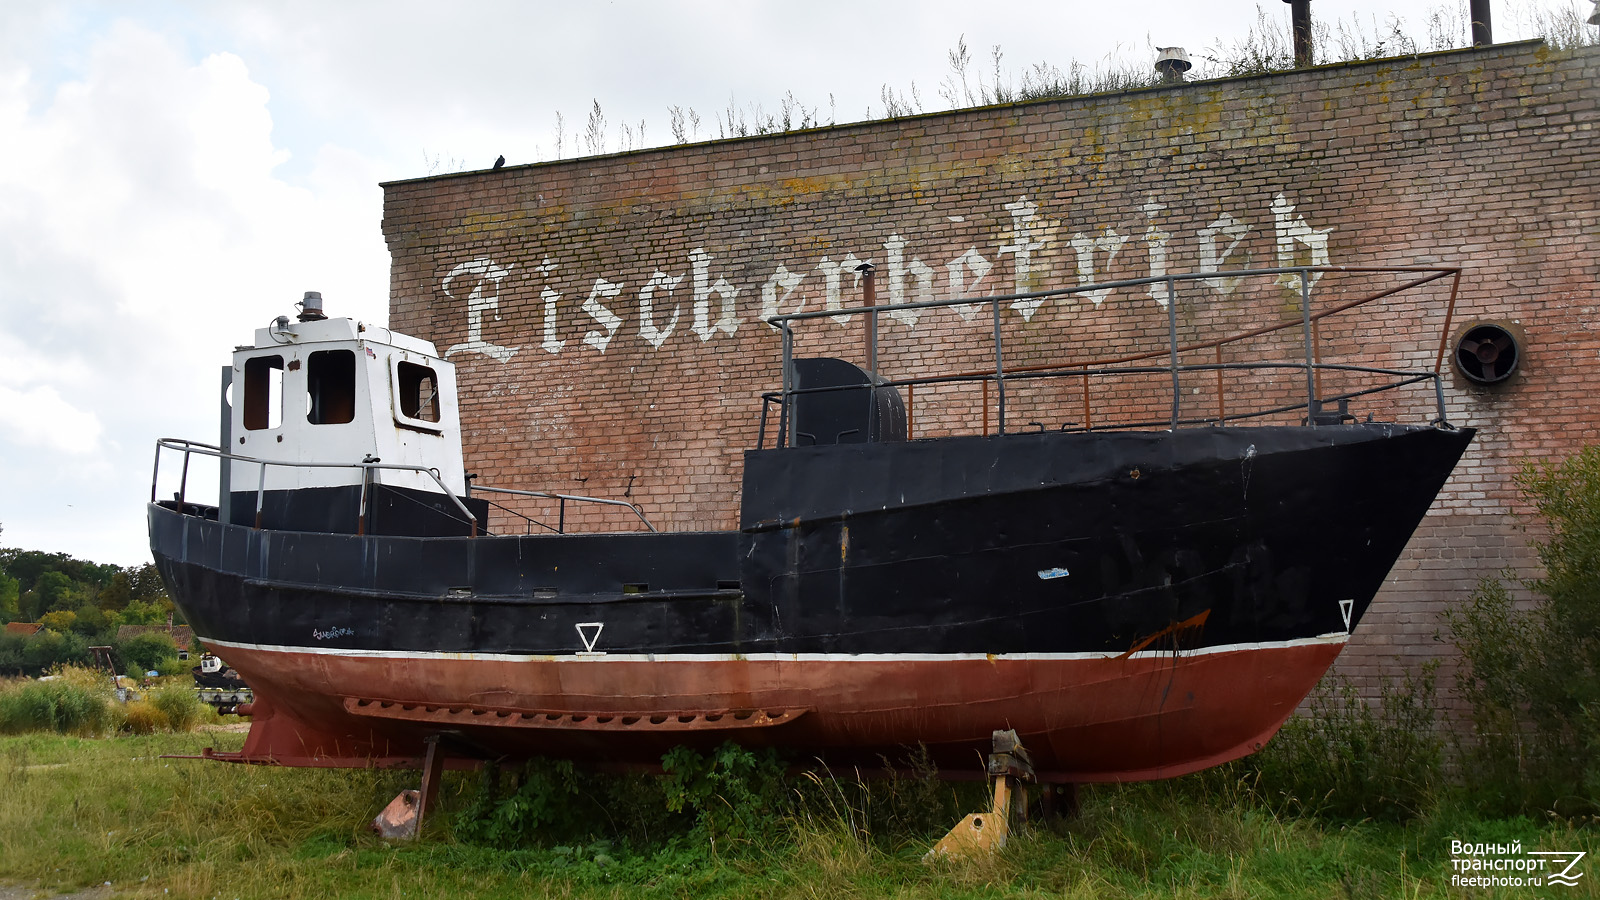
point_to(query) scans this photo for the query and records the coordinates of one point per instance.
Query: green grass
(77, 812)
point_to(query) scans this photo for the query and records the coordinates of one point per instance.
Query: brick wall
(606, 313)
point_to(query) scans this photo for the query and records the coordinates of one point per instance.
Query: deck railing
(561, 509)
(995, 380)
(369, 476)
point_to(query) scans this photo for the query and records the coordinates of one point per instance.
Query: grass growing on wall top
(970, 82)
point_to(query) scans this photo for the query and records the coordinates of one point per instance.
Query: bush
(142, 653)
(178, 703)
(728, 801)
(66, 705)
(46, 649)
(1347, 758)
(736, 796)
(1532, 675)
(172, 666)
(143, 717)
(37, 653)
(11, 650)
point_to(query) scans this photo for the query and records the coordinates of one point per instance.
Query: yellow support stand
(983, 834)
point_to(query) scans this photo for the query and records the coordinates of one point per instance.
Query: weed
(1531, 673)
(80, 812)
(1352, 759)
(542, 800)
(905, 805)
(737, 797)
(142, 717)
(178, 705)
(61, 705)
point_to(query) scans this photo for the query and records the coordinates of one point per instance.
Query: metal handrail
(563, 498)
(188, 448)
(528, 521)
(999, 374)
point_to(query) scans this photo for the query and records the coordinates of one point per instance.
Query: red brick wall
(1480, 158)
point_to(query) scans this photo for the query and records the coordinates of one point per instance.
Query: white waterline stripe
(1336, 637)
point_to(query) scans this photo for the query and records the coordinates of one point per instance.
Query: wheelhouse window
(331, 384)
(416, 392)
(263, 392)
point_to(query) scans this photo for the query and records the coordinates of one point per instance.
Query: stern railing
(1000, 375)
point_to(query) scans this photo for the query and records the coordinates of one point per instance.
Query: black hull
(1021, 544)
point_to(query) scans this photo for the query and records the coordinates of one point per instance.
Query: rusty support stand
(402, 819)
(432, 774)
(1058, 800)
(1010, 770)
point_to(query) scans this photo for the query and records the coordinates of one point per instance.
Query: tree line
(79, 604)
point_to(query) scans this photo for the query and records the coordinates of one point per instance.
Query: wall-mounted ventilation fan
(1489, 352)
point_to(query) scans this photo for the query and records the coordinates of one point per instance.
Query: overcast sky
(174, 175)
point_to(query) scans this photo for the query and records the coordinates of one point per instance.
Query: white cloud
(39, 417)
(143, 232)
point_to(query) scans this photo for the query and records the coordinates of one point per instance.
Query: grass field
(76, 812)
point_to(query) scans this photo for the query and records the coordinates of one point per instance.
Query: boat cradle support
(1010, 771)
(403, 818)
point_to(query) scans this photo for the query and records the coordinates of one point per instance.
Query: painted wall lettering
(1155, 240)
(600, 313)
(714, 308)
(549, 297)
(1021, 249)
(783, 281)
(970, 263)
(728, 321)
(899, 268)
(1108, 242)
(1214, 257)
(647, 323)
(832, 287)
(484, 297)
(1292, 231)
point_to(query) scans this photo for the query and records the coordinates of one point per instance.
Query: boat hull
(1135, 605)
(1083, 717)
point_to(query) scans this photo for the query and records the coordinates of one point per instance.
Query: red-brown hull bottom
(1083, 718)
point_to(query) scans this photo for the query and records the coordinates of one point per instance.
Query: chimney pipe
(1300, 14)
(869, 291)
(1172, 63)
(1482, 30)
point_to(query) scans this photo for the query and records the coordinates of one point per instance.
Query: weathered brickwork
(606, 313)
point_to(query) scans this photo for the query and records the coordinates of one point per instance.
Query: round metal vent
(1489, 352)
